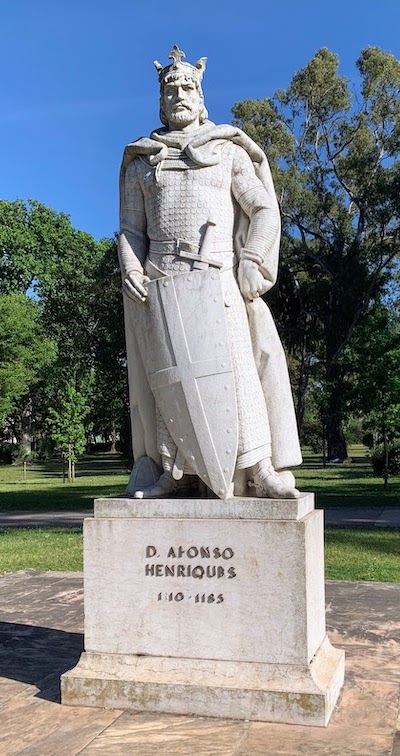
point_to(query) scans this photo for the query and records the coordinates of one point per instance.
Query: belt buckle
(184, 246)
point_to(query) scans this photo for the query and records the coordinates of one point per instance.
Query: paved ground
(336, 517)
(40, 637)
(362, 517)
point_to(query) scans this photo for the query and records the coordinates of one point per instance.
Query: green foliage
(312, 427)
(24, 349)
(67, 420)
(375, 360)
(18, 247)
(79, 308)
(334, 159)
(378, 459)
(8, 453)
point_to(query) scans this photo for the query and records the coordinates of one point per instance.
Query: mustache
(185, 105)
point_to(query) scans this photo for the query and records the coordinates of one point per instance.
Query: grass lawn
(349, 554)
(36, 549)
(362, 555)
(351, 484)
(43, 490)
(347, 485)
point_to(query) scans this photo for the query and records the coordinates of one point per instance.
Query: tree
(67, 423)
(24, 350)
(110, 406)
(375, 361)
(334, 158)
(18, 247)
(79, 305)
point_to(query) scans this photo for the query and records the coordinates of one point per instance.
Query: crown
(196, 71)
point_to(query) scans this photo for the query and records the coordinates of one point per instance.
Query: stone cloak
(204, 150)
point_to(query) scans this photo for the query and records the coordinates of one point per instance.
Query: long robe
(204, 149)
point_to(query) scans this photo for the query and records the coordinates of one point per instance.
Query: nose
(180, 95)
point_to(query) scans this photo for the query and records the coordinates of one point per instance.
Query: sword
(200, 259)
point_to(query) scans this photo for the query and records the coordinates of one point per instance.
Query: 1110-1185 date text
(197, 598)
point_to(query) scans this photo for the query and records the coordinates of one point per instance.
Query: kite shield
(183, 341)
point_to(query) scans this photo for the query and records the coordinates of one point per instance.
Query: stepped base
(210, 608)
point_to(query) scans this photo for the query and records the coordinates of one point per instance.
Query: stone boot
(164, 486)
(269, 484)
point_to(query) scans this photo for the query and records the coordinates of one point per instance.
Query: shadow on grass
(358, 495)
(57, 498)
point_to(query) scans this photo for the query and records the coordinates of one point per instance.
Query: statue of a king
(198, 246)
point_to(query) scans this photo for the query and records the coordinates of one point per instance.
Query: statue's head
(181, 95)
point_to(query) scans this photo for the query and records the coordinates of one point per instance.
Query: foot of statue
(164, 486)
(269, 484)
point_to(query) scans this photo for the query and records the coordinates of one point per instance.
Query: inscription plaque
(189, 569)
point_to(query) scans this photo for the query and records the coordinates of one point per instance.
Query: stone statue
(199, 243)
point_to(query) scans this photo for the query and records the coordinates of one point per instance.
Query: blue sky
(78, 83)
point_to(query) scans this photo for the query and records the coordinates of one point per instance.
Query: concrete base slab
(233, 690)
(211, 608)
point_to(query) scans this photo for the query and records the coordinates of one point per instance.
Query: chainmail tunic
(175, 202)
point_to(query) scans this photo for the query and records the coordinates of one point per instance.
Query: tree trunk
(113, 439)
(386, 463)
(337, 448)
(323, 445)
(301, 392)
(334, 409)
(69, 465)
(25, 450)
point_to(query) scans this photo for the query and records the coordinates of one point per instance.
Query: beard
(184, 116)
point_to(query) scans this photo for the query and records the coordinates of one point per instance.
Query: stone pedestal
(208, 607)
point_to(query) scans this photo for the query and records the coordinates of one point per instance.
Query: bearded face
(182, 102)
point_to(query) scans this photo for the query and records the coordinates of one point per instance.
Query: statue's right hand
(133, 286)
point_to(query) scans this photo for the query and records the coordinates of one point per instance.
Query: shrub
(378, 459)
(8, 452)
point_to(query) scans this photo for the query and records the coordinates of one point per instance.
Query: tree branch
(303, 230)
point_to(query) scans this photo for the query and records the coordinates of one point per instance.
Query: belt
(176, 246)
(200, 256)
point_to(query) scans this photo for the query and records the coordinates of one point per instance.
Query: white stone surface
(221, 615)
(237, 508)
(257, 586)
(196, 199)
(304, 695)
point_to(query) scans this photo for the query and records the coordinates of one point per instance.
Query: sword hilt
(204, 258)
(206, 244)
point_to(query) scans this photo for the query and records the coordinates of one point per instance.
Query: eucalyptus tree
(334, 151)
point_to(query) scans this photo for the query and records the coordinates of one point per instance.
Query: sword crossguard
(200, 259)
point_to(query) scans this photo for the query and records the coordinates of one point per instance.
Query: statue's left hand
(251, 282)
